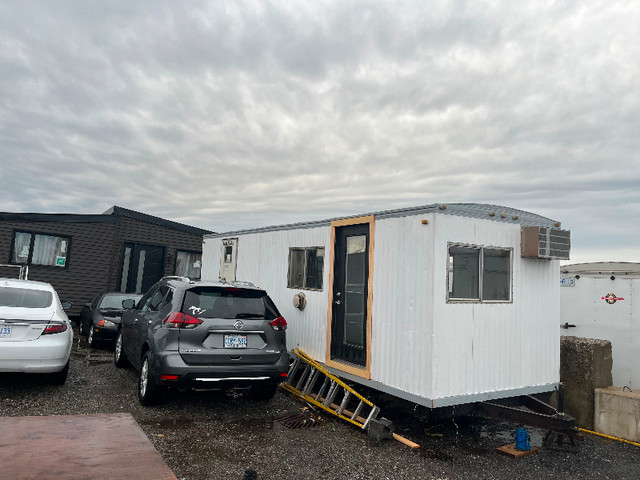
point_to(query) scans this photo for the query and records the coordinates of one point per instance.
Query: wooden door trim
(364, 372)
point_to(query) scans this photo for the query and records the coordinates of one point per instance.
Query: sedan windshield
(25, 298)
(228, 303)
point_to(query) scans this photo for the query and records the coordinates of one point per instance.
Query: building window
(479, 274)
(188, 264)
(40, 249)
(306, 268)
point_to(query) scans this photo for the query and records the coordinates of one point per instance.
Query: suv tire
(147, 390)
(119, 358)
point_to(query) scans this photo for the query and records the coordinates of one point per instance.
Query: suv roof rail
(176, 277)
(241, 283)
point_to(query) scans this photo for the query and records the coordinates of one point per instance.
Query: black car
(206, 336)
(100, 319)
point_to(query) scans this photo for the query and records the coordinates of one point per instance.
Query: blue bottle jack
(523, 440)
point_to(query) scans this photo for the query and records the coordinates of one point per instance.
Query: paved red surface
(78, 446)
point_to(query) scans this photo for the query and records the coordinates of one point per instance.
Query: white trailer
(596, 301)
(439, 304)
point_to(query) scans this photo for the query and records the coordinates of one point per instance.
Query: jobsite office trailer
(596, 301)
(442, 304)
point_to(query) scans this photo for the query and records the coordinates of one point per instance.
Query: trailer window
(479, 274)
(306, 266)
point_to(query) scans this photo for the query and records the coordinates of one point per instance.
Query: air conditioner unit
(545, 242)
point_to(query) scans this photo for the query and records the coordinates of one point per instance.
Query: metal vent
(545, 242)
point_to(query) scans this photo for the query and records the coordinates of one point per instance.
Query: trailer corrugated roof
(601, 267)
(472, 210)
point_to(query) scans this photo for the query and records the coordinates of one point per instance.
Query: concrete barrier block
(585, 364)
(617, 413)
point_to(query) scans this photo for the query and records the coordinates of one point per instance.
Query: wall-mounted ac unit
(545, 242)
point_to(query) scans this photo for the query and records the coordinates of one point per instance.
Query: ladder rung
(311, 382)
(326, 382)
(331, 394)
(292, 370)
(357, 411)
(303, 376)
(373, 414)
(345, 400)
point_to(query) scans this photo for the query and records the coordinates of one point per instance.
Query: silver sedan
(35, 332)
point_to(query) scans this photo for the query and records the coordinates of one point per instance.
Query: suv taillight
(55, 328)
(278, 324)
(181, 320)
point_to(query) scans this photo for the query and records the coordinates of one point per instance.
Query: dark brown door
(350, 283)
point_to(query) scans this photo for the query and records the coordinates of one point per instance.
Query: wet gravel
(211, 436)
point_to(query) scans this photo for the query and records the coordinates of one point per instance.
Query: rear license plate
(235, 341)
(5, 330)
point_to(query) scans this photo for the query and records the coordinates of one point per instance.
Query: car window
(158, 300)
(145, 299)
(220, 302)
(25, 298)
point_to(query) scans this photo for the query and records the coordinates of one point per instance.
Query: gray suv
(201, 335)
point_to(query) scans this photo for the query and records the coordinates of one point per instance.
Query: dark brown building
(83, 255)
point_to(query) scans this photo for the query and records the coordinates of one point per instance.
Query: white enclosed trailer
(596, 301)
(439, 304)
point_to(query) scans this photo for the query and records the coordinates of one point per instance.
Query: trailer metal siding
(264, 260)
(583, 305)
(485, 347)
(403, 304)
(424, 348)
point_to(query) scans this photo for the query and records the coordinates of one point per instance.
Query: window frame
(67, 238)
(481, 271)
(304, 269)
(175, 261)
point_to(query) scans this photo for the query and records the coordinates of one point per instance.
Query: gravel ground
(211, 436)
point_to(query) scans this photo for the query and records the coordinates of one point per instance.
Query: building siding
(95, 250)
(88, 263)
(138, 231)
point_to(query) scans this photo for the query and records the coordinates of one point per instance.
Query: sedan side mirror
(66, 305)
(128, 304)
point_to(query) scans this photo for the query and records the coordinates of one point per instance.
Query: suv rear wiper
(249, 315)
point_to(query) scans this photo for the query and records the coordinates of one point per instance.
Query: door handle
(566, 325)
(337, 302)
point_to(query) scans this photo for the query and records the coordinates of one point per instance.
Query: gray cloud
(227, 115)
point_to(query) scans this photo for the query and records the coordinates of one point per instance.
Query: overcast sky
(227, 115)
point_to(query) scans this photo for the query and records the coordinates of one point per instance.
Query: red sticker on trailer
(611, 298)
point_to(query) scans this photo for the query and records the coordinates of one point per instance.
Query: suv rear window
(25, 298)
(223, 302)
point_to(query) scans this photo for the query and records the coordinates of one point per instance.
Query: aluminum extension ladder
(313, 383)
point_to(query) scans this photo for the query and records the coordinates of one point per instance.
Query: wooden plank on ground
(513, 452)
(62, 447)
